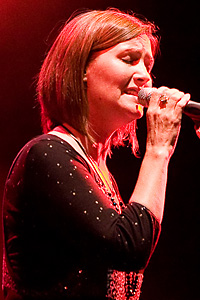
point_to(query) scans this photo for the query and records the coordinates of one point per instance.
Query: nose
(141, 76)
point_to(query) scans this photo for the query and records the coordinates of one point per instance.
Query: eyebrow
(139, 51)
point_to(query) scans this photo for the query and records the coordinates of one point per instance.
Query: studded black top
(64, 237)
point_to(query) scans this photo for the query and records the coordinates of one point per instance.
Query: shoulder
(46, 143)
(46, 148)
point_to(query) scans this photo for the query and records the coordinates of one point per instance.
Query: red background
(25, 28)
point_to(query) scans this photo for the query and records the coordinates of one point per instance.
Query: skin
(114, 77)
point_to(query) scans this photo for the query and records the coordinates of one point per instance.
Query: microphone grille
(144, 96)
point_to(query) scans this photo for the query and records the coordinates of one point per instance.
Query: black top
(62, 232)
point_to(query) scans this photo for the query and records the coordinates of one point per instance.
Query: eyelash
(130, 61)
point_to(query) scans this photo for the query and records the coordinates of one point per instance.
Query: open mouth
(132, 92)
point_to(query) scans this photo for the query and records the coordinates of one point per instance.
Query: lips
(132, 91)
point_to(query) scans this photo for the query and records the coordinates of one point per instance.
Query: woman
(68, 234)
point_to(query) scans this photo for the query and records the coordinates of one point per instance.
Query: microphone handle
(192, 110)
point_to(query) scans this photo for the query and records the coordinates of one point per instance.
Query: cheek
(101, 82)
(100, 73)
(108, 69)
(106, 82)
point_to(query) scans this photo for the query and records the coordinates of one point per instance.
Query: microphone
(192, 108)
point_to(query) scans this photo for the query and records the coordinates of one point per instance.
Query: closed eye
(133, 61)
(130, 60)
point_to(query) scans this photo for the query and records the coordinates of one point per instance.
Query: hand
(164, 116)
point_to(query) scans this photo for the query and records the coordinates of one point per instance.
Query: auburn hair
(61, 91)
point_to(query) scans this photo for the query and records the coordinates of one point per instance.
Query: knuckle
(175, 96)
(179, 104)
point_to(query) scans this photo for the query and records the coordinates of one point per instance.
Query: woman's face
(114, 77)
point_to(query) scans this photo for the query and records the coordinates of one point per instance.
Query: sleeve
(64, 189)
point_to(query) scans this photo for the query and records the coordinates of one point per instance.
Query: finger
(162, 89)
(184, 100)
(156, 94)
(174, 96)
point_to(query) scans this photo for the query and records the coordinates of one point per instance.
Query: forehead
(139, 44)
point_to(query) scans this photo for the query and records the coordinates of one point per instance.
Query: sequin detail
(123, 286)
(112, 194)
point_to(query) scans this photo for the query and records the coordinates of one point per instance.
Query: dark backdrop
(25, 27)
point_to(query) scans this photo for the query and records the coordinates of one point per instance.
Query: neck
(95, 150)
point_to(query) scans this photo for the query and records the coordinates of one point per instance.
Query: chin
(133, 109)
(137, 113)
